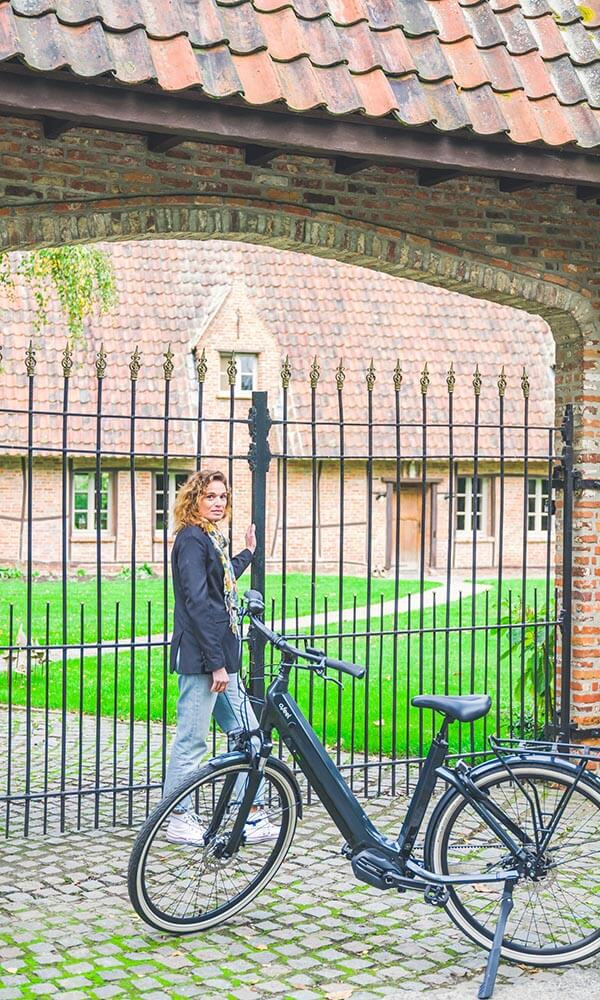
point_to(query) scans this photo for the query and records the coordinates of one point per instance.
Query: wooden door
(411, 525)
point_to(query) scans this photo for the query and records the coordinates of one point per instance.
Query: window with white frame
(472, 506)
(176, 479)
(85, 514)
(246, 376)
(538, 499)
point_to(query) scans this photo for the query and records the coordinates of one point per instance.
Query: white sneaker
(186, 828)
(258, 829)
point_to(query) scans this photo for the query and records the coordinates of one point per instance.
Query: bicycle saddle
(463, 708)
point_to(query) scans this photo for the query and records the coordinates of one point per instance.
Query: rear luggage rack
(576, 753)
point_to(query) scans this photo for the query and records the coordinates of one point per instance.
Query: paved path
(66, 929)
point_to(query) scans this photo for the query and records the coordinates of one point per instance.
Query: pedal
(436, 895)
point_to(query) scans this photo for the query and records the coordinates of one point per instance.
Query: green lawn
(399, 666)
(82, 597)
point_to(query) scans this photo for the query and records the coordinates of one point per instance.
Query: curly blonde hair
(185, 510)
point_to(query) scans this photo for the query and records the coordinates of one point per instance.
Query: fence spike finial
(425, 380)
(201, 366)
(370, 376)
(101, 362)
(232, 369)
(502, 381)
(525, 383)
(30, 359)
(398, 376)
(477, 381)
(340, 375)
(67, 360)
(168, 366)
(135, 364)
(286, 372)
(451, 378)
(315, 373)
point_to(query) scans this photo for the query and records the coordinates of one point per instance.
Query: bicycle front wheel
(556, 914)
(184, 887)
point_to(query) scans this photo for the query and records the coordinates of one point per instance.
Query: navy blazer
(201, 630)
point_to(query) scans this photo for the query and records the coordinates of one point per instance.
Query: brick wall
(535, 249)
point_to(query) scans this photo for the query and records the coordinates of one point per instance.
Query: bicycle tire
(556, 919)
(182, 888)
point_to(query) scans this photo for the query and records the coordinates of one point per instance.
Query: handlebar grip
(345, 667)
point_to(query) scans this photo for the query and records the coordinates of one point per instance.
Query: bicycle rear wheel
(182, 887)
(556, 915)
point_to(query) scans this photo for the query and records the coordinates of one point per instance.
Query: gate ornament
(340, 375)
(477, 381)
(502, 380)
(201, 366)
(30, 361)
(101, 362)
(525, 383)
(451, 378)
(135, 364)
(370, 376)
(168, 366)
(398, 376)
(286, 373)
(425, 380)
(231, 370)
(67, 361)
(315, 373)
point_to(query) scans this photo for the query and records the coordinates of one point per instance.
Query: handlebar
(255, 606)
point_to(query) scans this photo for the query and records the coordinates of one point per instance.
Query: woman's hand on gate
(220, 680)
(251, 538)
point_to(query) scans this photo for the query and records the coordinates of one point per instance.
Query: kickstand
(489, 980)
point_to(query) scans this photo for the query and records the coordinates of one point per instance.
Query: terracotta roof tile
(309, 306)
(514, 67)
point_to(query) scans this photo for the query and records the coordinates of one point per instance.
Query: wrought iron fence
(403, 522)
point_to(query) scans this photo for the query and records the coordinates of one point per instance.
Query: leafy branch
(81, 276)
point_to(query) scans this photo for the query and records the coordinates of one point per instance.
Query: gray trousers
(196, 706)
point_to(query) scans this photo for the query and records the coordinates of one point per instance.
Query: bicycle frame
(280, 711)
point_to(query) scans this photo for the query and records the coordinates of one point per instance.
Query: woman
(205, 647)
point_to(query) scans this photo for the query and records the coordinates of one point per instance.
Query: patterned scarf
(230, 588)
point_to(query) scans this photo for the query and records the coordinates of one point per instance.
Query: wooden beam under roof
(509, 184)
(53, 128)
(350, 165)
(429, 178)
(163, 143)
(587, 193)
(260, 156)
(121, 108)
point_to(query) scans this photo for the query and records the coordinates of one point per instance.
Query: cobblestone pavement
(315, 934)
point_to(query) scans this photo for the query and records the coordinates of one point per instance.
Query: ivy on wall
(81, 276)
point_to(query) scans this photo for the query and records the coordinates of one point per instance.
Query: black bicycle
(509, 850)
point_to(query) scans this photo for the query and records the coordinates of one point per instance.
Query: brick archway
(569, 313)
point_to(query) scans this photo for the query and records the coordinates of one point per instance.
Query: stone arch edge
(351, 241)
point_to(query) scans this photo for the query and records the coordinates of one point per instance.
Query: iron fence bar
(422, 540)
(477, 513)
(451, 384)
(9, 739)
(548, 694)
(502, 382)
(340, 378)
(232, 376)
(201, 370)
(565, 616)
(97, 514)
(370, 381)
(67, 366)
(314, 375)
(46, 718)
(80, 717)
(398, 378)
(259, 459)
(286, 374)
(115, 708)
(525, 388)
(134, 367)
(148, 697)
(30, 364)
(165, 566)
